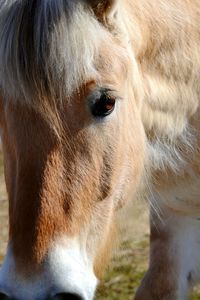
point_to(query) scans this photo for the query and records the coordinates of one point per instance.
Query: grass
(124, 275)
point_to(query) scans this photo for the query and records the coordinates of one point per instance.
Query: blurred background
(130, 259)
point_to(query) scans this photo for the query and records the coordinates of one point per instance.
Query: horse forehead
(58, 66)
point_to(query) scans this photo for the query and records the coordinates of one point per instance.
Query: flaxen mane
(44, 49)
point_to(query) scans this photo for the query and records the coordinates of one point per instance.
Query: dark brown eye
(103, 106)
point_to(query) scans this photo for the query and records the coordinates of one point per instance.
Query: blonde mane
(47, 48)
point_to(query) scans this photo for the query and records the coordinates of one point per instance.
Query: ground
(130, 261)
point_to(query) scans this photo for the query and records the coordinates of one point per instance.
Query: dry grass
(128, 265)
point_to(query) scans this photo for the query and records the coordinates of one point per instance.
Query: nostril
(4, 297)
(67, 296)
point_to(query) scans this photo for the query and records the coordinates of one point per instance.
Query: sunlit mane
(47, 47)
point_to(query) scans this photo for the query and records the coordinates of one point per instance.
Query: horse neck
(150, 23)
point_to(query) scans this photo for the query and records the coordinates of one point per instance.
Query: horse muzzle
(65, 274)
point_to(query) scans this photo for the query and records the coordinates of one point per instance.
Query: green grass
(126, 272)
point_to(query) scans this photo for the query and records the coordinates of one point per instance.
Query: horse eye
(103, 106)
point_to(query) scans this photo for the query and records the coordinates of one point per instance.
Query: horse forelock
(47, 48)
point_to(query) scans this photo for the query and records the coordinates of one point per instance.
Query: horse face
(63, 194)
(64, 186)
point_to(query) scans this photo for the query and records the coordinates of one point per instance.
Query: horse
(99, 99)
